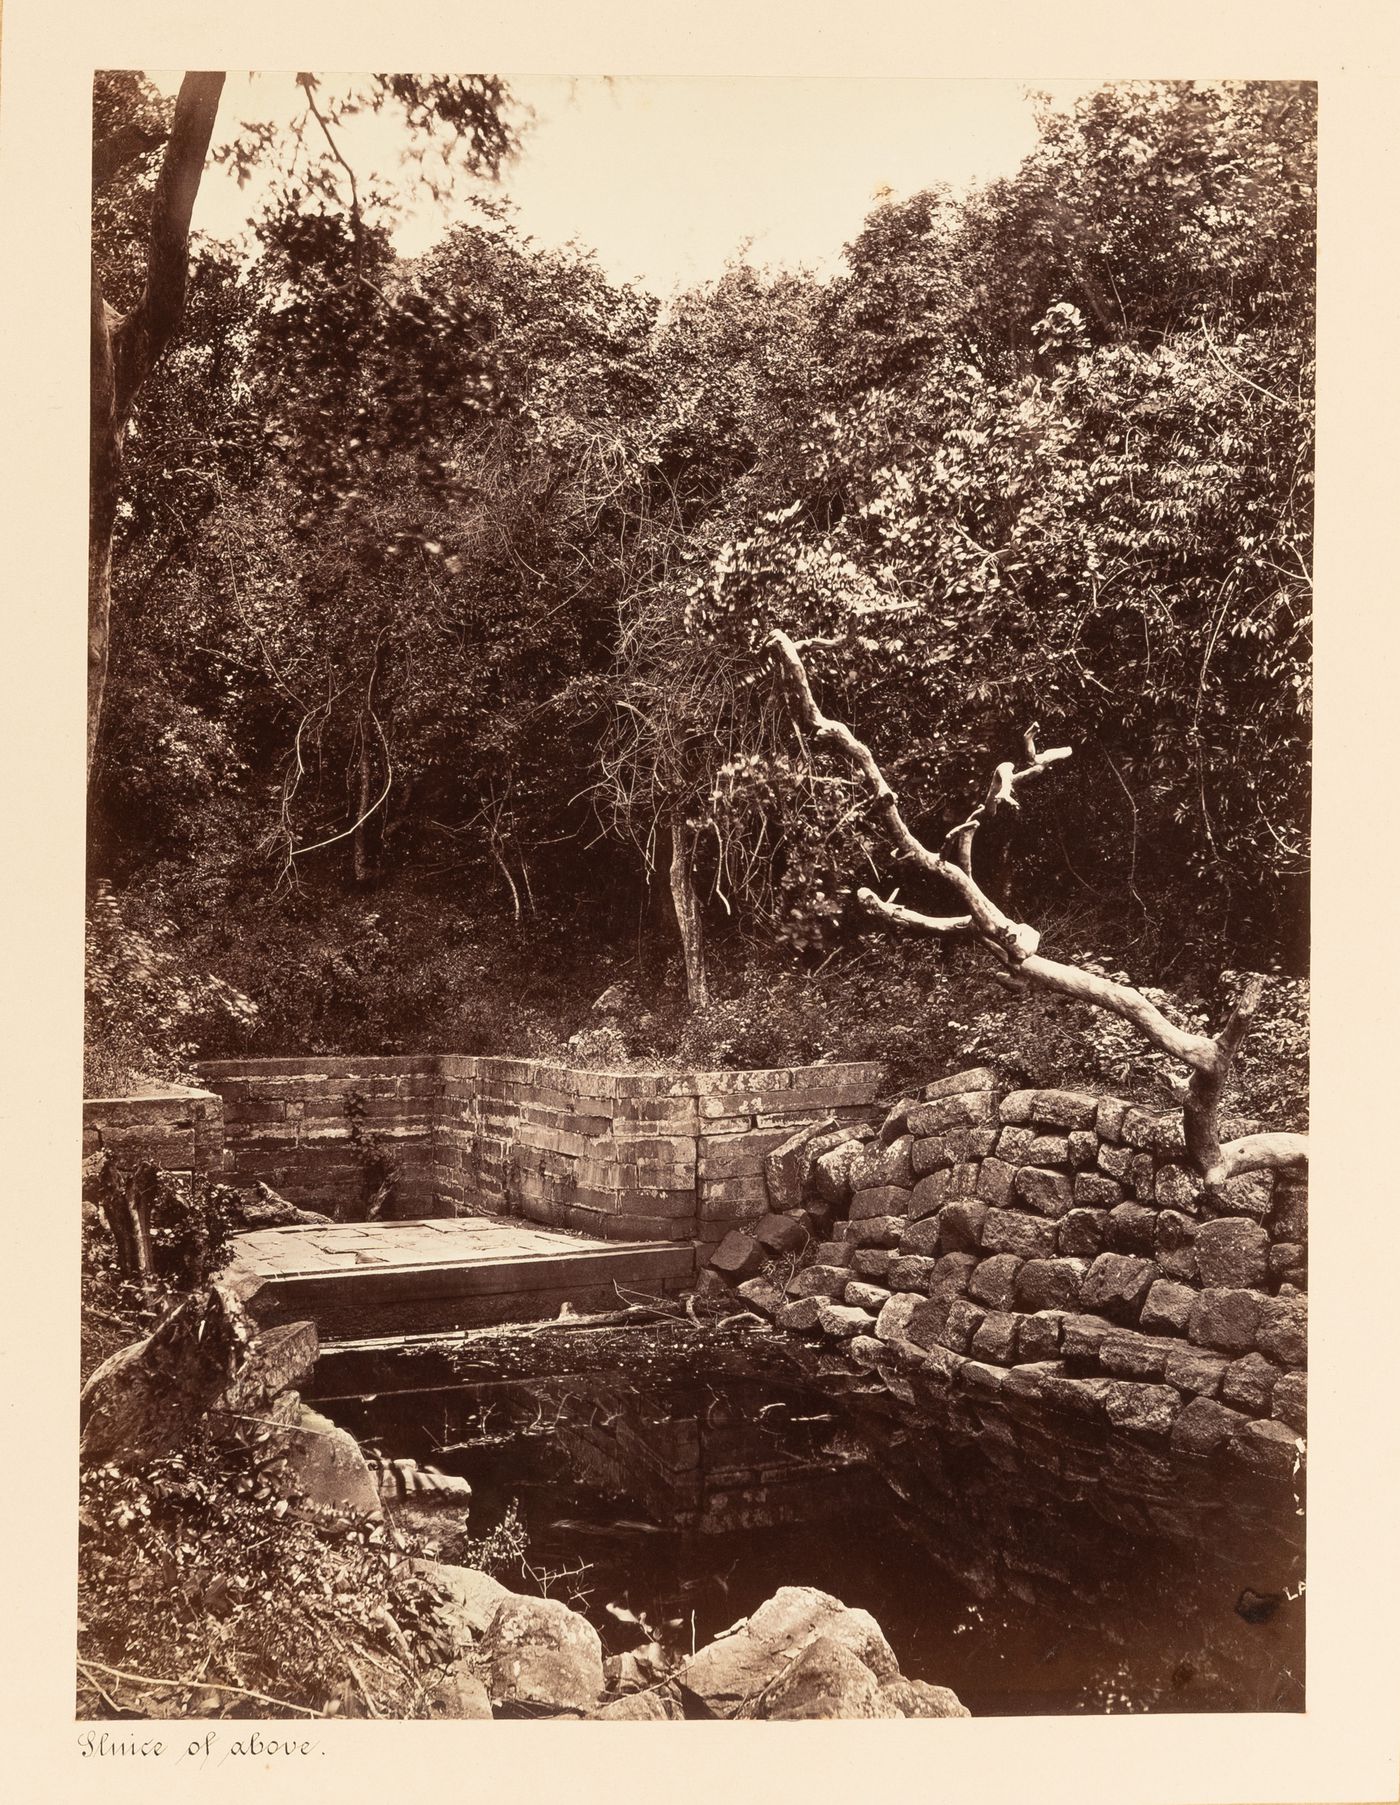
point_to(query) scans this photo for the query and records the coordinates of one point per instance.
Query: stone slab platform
(358, 1279)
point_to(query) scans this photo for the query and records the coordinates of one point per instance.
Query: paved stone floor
(438, 1241)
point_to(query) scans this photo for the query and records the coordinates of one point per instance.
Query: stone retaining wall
(173, 1127)
(1051, 1246)
(656, 1156)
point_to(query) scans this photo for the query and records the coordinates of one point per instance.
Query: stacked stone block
(1054, 1245)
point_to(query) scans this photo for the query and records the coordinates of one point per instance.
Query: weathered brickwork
(659, 1156)
(172, 1127)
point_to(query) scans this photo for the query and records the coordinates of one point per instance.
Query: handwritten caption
(213, 1745)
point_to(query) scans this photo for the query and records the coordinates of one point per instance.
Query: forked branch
(1016, 944)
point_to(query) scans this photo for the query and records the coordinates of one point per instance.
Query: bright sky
(666, 178)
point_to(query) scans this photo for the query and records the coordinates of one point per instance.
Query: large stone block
(1248, 1383)
(1193, 1369)
(540, 1653)
(1049, 1150)
(1050, 1284)
(738, 1256)
(1168, 1307)
(818, 1281)
(1290, 1401)
(1132, 1228)
(1081, 1233)
(913, 1272)
(964, 1109)
(979, 1078)
(1014, 1231)
(1175, 1244)
(964, 1319)
(994, 1281)
(1204, 1426)
(960, 1226)
(841, 1321)
(1144, 1409)
(1232, 1251)
(1283, 1330)
(800, 1315)
(1116, 1285)
(994, 1339)
(879, 1200)
(930, 1193)
(892, 1324)
(1046, 1192)
(877, 1231)
(1225, 1318)
(872, 1263)
(1095, 1192)
(880, 1165)
(1178, 1188)
(763, 1294)
(1064, 1109)
(1250, 1194)
(830, 1180)
(1039, 1339)
(1083, 1148)
(1013, 1145)
(1268, 1447)
(923, 1236)
(994, 1180)
(1130, 1355)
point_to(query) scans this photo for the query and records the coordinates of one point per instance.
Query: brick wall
(173, 1127)
(650, 1156)
(291, 1123)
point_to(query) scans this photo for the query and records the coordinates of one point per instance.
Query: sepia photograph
(697, 900)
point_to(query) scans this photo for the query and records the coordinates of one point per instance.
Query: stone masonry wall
(173, 1127)
(1049, 1246)
(292, 1123)
(626, 1155)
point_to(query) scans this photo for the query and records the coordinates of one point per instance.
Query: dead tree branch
(1016, 944)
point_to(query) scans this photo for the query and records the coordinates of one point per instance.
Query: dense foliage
(439, 588)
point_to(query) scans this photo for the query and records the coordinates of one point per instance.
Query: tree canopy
(439, 586)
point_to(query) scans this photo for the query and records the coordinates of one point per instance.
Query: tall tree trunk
(359, 848)
(126, 349)
(687, 907)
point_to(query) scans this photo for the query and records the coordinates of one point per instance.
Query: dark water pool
(668, 1511)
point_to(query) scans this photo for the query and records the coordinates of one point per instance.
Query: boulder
(459, 1694)
(879, 1165)
(1095, 1192)
(994, 1281)
(1204, 1425)
(787, 1168)
(472, 1597)
(825, 1681)
(1168, 1307)
(1132, 1228)
(880, 1200)
(326, 1466)
(818, 1281)
(843, 1321)
(726, 1674)
(541, 1655)
(917, 1698)
(1283, 1330)
(1248, 1383)
(871, 1264)
(637, 1707)
(963, 1109)
(830, 1177)
(866, 1297)
(1064, 1109)
(994, 1181)
(1052, 1284)
(930, 1193)
(800, 1314)
(1049, 1150)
